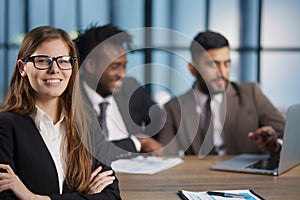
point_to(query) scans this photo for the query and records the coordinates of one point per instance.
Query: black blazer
(22, 147)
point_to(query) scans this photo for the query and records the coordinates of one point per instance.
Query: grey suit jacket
(247, 109)
(139, 113)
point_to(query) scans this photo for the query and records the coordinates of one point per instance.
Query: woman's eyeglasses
(43, 62)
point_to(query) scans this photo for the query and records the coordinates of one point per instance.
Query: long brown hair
(20, 99)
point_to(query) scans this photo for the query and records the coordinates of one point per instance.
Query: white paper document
(144, 165)
(225, 194)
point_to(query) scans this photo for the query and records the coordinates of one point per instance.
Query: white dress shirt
(218, 118)
(53, 135)
(114, 121)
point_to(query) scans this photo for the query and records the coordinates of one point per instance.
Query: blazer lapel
(40, 153)
(231, 115)
(191, 120)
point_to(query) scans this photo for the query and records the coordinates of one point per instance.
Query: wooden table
(195, 175)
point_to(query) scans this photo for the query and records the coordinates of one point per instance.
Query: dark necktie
(205, 118)
(102, 117)
(206, 130)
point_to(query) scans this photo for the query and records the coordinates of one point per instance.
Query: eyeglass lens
(63, 62)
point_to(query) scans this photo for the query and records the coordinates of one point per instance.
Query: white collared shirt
(114, 121)
(201, 99)
(216, 109)
(53, 135)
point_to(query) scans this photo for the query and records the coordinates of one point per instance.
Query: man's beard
(103, 91)
(204, 87)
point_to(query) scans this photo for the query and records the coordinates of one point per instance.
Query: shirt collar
(202, 97)
(40, 116)
(218, 98)
(94, 97)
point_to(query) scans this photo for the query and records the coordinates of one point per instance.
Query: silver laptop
(288, 158)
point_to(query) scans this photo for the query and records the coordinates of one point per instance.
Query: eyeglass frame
(31, 59)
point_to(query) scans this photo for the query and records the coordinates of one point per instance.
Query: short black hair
(204, 41)
(94, 35)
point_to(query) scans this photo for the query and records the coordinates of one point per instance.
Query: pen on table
(226, 195)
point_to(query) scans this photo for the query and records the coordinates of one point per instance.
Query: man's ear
(193, 69)
(21, 67)
(90, 66)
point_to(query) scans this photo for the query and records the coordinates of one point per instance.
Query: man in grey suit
(103, 60)
(243, 119)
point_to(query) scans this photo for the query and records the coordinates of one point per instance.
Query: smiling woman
(48, 80)
(42, 151)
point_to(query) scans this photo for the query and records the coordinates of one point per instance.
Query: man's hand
(265, 140)
(150, 145)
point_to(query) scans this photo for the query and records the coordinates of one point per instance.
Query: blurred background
(264, 38)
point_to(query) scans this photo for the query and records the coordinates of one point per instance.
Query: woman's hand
(99, 180)
(10, 181)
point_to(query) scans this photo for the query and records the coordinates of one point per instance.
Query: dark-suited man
(248, 111)
(102, 51)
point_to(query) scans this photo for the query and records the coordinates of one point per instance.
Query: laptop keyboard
(270, 163)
